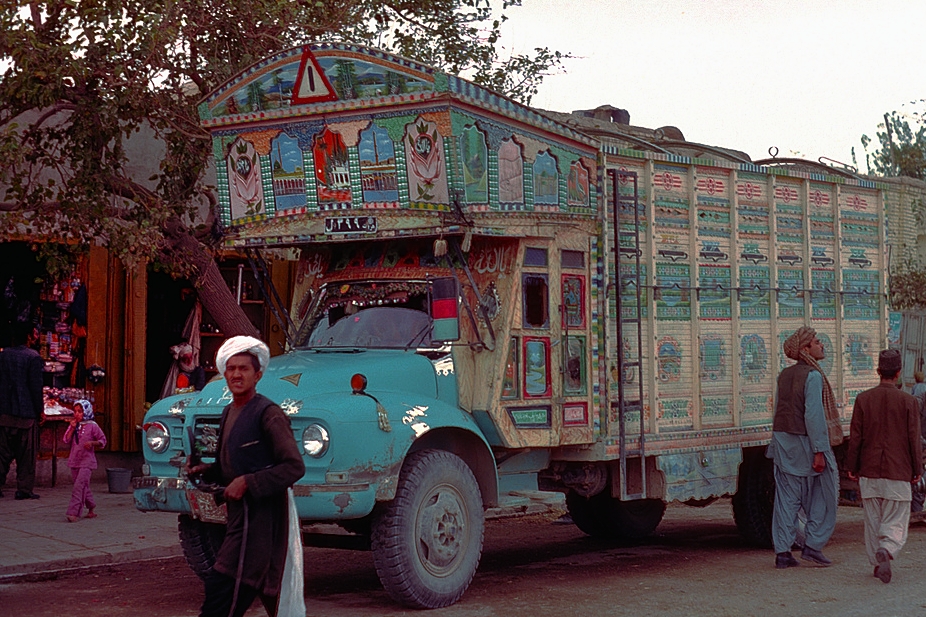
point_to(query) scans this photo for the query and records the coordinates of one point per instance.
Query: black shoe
(25, 495)
(785, 560)
(883, 569)
(812, 554)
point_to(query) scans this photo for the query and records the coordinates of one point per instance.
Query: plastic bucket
(120, 480)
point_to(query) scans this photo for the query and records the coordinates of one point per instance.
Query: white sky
(807, 76)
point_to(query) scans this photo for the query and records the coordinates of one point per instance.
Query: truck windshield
(386, 315)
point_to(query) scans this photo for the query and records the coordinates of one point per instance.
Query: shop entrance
(22, 274)
(169, 304)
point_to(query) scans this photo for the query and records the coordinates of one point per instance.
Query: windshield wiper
(417, 336)
(339, 349)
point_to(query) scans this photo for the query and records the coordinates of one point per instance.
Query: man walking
(21, 409)
(257, 461)
(885, 456)
(805, 427)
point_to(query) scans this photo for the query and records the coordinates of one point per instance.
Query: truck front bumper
(314, 502)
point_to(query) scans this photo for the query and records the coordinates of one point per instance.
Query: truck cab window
(536, 305)
(369, 314)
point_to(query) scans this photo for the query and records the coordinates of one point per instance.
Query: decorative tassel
(467, 242)
(440, 247)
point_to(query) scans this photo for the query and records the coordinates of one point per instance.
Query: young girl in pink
(85, 436)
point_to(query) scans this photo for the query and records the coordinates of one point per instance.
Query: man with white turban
(805, 429)
(257, 460)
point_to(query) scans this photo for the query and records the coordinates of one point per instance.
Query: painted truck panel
(713, 326)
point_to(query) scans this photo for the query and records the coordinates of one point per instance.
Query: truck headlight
(157, 436)
(315, 440)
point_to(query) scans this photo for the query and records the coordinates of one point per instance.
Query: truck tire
(609, 518)
(755, 499)
(427, 542)
(588, 513)
(200, 542)
(638, 519)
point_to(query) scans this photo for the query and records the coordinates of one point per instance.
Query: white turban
(183, 349)
(242, 344)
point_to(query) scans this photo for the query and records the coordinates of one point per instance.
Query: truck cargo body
(612, 336)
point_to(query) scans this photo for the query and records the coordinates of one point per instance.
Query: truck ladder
(629, 399)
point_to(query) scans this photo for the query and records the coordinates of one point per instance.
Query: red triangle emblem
(312, 85)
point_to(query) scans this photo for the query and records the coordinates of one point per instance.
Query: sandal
(72, 518)
(91, 514)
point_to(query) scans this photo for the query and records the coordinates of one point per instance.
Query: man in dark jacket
(257, 461)
(885, 456)
(21, 409)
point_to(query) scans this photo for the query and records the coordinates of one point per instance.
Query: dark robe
(259, 445)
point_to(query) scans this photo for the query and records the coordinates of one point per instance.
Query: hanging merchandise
(62, 329)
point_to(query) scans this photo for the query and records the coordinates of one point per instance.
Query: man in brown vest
(885, 456)
(805, 427)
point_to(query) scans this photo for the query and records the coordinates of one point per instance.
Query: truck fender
(435, 425)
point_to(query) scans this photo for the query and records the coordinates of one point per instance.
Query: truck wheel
(588, 513)
(427, 542)
(755, 499)
(604, 516)
(638, 519)
(200, 542)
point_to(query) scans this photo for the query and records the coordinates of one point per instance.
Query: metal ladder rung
(626, 213)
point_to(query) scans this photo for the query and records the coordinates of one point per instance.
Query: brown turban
(797, 341)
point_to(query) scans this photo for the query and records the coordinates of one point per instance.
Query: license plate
(350, 225)
(204, 508)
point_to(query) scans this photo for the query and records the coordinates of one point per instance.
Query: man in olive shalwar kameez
(257, 461)
(804, 430)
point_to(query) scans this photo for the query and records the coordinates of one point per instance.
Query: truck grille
(206, 437)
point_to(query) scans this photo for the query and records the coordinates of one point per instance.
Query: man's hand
(90, 445)
(917, 479)
(819, 464)
(854, 477)
(195, 469)
(236, 489)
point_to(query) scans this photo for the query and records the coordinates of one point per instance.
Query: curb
(50, 569)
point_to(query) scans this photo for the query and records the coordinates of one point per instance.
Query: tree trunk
(218, 299)
(213, 291)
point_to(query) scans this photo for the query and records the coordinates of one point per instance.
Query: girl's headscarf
(87, 406)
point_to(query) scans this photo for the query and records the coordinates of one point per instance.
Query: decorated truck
(498, 310)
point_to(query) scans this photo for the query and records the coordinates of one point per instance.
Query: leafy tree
(79, 79)
(901, 151)
(901, 148)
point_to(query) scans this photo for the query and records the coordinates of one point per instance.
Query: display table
(54, 427)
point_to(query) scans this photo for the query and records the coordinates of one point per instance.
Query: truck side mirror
(444, 307)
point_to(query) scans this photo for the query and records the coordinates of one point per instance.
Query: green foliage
(80, 80)
(901, 148)
(908, 286)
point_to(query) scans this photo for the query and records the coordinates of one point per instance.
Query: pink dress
(82, 463)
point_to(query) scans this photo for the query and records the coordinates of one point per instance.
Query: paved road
(695, 565)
